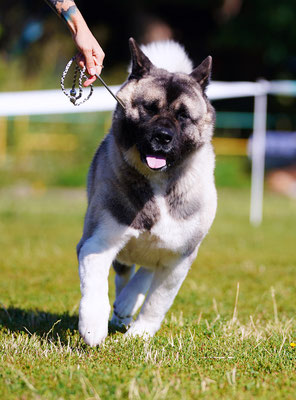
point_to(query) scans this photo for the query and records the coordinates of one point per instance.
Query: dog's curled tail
(168, 55)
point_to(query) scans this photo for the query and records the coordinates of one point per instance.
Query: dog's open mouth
(156, 162)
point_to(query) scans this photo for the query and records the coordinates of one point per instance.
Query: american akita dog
(151, 193)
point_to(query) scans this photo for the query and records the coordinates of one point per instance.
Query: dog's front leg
(95, 258)
(164, 288)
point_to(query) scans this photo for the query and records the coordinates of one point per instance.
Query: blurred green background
(56, 150)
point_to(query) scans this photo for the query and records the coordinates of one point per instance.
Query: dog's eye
(150, 108)
(183, 117)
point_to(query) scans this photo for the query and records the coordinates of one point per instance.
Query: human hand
(90, 53)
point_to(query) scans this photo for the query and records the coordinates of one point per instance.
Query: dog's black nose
(163, 136)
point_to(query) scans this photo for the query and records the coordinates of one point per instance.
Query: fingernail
(92, 71)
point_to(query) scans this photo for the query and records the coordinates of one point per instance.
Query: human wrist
(75, 22)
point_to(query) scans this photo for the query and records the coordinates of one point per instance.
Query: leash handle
(73, 96)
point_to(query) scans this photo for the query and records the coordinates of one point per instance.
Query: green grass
(210, 345)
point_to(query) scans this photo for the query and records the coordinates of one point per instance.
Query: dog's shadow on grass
(48, 326)
(41, 323)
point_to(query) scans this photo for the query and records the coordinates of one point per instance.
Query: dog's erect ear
(141, 64)
(202, 73)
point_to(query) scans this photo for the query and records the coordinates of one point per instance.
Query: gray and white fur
(151, 193)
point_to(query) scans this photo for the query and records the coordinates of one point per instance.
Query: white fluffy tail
(168, 55)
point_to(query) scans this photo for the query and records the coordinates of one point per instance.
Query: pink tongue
(155, 162)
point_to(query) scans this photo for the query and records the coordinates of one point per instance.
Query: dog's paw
(145, 330)
(93, 323)
(93, 334)
(127, 304)
(121, 324)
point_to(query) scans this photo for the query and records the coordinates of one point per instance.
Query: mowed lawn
(228, 334)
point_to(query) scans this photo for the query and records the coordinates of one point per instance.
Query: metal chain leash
(73, 95)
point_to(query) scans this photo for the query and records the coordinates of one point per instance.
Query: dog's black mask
(163, 111)
(158, 139)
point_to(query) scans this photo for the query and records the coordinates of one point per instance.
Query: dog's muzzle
(161, 144)
(162, 136)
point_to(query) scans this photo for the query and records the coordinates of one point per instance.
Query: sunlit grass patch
(228, 334)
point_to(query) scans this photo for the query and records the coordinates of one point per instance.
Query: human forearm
(69, 12)
(91, 53)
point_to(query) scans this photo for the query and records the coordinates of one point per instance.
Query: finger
(99, 58)
(99, 69)
(89, 61)
(89, 81)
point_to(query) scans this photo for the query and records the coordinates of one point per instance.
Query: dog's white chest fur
(173, 233)
(165, 243)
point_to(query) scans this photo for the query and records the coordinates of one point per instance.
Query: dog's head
(167, 115)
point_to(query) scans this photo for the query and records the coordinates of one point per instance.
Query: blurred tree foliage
(247, 39)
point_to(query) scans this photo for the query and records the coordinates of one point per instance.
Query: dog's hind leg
(123, 274)
(164, 287)
(131, 297)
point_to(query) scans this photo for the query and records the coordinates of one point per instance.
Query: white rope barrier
(52, 102)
